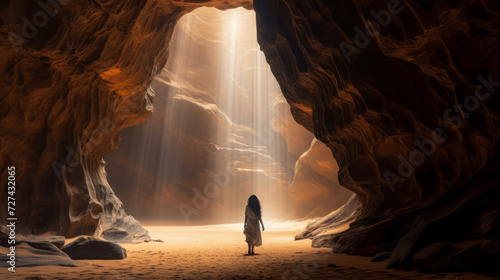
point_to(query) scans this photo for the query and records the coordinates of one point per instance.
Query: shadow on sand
(249, 255)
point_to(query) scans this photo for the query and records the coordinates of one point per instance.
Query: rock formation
(315, 189)
(71, 79)
(204, 123)
(201, 155)
(31, 250)
(410, 113)
(89, 248)
(29, 253)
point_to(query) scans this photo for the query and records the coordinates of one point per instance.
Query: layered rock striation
(73, 75)
(410, 113)
(404, 94)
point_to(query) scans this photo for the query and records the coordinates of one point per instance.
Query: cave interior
(377, 117)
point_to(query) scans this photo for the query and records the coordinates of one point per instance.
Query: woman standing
(253, 216)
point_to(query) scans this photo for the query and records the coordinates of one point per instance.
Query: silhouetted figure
(253, 216)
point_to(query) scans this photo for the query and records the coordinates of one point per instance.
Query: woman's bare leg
(253, 253)
(249, 248)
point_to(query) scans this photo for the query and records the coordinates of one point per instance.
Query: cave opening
(221, 131)
(393, 105)
(212, 122)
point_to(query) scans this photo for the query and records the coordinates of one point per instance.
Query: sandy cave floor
(219, 252)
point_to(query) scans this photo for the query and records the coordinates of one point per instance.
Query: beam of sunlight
(213, 114)
(246, 92)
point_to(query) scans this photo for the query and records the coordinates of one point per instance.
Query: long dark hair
(254, 203)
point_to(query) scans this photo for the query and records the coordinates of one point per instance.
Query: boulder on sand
(90, 248)
(34, 254)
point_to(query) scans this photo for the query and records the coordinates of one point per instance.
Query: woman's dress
(252, 229)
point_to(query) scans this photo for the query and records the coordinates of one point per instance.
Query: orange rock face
(410, 113)
(404, 94)
(72, 77)
(216, 107)
(315, 189)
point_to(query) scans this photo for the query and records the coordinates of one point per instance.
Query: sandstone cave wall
(74, 73)
(206, 121)
(369, 107)
(199, 157)
(411, 115)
